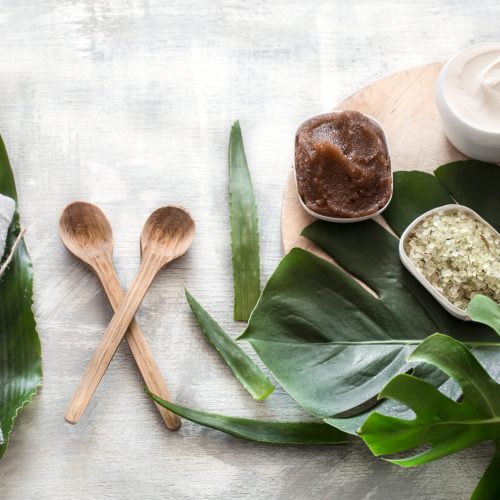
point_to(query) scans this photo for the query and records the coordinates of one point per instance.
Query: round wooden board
(405, 106)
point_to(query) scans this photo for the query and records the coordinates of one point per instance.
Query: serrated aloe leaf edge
(261, 431)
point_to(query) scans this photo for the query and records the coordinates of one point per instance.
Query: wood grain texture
(404, 103)
(137, 343)
(129, 104)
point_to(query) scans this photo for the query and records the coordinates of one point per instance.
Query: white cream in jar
(468, 98)
(472, 86)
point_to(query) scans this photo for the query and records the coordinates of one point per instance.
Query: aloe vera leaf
(244, 229)
(252, 378)
(20, 349)
(261, 431)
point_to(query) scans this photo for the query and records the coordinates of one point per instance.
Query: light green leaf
(485, 310)
(445, 425)
(244, 229)
(261, 431)
(20, 352)
(246, 371)
(332, 344)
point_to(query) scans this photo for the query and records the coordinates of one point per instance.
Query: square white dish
(451, 308)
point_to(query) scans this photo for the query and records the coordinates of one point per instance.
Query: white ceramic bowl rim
(347, 220)
(452, 309)
(495, 133)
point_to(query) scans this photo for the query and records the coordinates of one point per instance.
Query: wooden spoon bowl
(167, 234)
(86, 231)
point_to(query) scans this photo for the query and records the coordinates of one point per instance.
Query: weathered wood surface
(128, 104)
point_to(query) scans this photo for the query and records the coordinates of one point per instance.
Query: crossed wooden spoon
(86, 233)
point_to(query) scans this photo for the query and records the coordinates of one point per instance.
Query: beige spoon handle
(111, 339)
(136, 341)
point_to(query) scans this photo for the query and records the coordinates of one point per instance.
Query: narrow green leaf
(485, 310)
(244, 229)
(445, 425)
(252, 378)
(261, 431)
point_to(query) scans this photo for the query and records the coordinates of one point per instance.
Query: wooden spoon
(167, 234)
(87, 234)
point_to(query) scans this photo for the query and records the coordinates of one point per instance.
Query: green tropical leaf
(261, 431)
(20, 352)
(471, 183)
(445, 425)
(485, 310)
(244, 229)
(414, 193)
(252, 378)
(331, 343)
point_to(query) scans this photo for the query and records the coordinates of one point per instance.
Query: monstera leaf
(20, 354)
(330, 342)
(485, 310)
(439, 423)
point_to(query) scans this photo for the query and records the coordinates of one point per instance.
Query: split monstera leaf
(20, 352)
(335, 345)
(331, 343)
(446, 425)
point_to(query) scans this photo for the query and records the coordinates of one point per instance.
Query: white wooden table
(128, 104)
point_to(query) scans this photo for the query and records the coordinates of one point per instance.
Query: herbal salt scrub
(458, 254)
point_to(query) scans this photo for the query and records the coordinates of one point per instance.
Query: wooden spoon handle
(136, 341)
(111, 339)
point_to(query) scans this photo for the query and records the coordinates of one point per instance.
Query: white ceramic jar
(468, 99)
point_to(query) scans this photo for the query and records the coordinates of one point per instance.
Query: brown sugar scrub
(342, 165)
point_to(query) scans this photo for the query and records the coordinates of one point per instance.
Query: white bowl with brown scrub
(342, 167)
